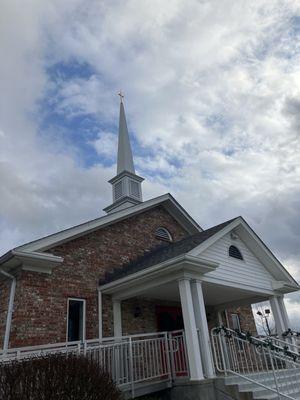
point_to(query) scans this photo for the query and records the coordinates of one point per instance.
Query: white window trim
(84, 316)
(238, 320)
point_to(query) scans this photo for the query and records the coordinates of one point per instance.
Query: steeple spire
(125, 159)
(127, 190)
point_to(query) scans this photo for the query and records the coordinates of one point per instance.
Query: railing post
(171, 352)
(274, 372)
(222, 342)
(168, 355)
(131, 367)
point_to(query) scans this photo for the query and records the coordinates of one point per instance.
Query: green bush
(56, 377)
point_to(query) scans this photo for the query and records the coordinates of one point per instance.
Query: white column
(117, 318)
(284, 313)
(278, 318)
(201, 324)
(192, 343)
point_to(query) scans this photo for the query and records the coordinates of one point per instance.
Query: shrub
(58, 377)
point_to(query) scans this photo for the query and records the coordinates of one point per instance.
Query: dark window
(235, 253)
(75, 320)
(163, 233)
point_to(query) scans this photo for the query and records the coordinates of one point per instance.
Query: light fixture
(137, 312)
(233, 236)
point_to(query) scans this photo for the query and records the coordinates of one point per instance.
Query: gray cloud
(213, 99)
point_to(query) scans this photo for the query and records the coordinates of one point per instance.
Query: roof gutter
(203, 266)
(10, 308)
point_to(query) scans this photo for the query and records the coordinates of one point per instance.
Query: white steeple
(125, 159)
(127, 190)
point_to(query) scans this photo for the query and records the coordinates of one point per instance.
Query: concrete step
(283, 382)
(267, 379)
(262, 393)
(286, 373)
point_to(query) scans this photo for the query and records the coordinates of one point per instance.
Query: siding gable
(249, 271)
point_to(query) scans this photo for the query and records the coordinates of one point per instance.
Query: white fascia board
(264, 254)
(34, 255)
(256, 245)
(282, 287)
(63, 236)
(236, 285)
(183, 262)
(32, 261)
(243, 302)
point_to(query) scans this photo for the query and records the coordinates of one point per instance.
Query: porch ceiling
(213, 294)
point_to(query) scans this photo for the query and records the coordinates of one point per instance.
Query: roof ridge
(47, 241)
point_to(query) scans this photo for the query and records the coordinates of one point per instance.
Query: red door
(169, 319)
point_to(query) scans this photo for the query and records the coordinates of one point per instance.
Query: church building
(143, 267)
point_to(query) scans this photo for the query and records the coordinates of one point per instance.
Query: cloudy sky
(212, 100)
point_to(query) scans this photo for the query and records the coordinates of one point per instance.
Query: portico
(187, 281)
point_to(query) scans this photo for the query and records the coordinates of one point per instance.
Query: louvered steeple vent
(126, 185)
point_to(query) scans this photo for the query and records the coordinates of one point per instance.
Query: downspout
(10, 307)
(100, 324)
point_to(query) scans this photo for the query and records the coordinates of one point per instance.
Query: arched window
(235, 253)
(163, 234)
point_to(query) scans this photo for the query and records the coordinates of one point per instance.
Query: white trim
(117, 318)
(243, 286)
(208, 242)
(100, 315)
(237, 320)
(192, 342)
(137, 283)
(284, 313)
(259, 249)
(83, 317)
(202, 327)
(10, 308)
(277, 314)
(60, 237)
(30, 261)
(178, 263)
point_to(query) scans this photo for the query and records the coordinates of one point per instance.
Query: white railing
(288, 342)
(263, 364)
(130, 360)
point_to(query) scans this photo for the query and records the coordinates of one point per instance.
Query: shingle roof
(163, 253)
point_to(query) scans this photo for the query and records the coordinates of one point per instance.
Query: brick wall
(40, 314)
(40, 309)
(246, 318)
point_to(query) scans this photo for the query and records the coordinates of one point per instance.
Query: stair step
(285, 380)
(287, 373)
(268, 381)
(262, 393)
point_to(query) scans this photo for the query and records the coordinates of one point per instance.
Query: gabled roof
(163, 253)
(195, 244)
(166, 200)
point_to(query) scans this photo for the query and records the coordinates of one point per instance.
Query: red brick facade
(40, 308)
